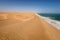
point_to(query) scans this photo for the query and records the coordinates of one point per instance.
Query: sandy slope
(26, 26)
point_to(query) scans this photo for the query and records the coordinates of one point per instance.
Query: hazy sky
(42, 6)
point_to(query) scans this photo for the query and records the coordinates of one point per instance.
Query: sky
(39, 6)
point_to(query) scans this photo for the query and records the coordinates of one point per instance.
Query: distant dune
(26, 26)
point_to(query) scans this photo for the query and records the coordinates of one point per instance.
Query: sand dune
(26, 26)
(22, 16)
(3, 16)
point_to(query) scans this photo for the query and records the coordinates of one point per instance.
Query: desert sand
(26, 26)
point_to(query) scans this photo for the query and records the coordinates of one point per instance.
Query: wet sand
(26, 26)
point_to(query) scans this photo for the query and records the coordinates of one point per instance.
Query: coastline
(50, 21)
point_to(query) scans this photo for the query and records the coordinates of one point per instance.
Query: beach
(26, 26)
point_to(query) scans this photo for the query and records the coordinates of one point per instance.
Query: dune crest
(24, 17)
(17, 16)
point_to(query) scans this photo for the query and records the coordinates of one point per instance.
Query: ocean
(54, 16)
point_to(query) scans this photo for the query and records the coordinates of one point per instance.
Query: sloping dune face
(26, 26)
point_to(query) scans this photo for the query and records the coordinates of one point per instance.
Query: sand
(26, 26)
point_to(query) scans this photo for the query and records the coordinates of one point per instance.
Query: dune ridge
(22, 16)
(26, 26)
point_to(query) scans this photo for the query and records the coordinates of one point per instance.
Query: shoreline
(48, 21)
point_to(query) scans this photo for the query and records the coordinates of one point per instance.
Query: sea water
(54, 16)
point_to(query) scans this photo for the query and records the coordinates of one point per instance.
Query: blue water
(55, 16)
